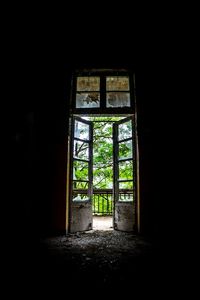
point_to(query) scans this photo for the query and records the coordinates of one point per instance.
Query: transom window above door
(105, 90)
(87, 92)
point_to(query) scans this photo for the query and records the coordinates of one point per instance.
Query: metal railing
(102, 203)
(102, 200)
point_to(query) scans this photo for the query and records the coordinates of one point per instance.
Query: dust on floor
(100, 258)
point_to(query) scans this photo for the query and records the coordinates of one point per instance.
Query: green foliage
(103, 154)
(102, 204)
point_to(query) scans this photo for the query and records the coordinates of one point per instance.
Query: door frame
(82, 208)
(123, 207)
(136, 171)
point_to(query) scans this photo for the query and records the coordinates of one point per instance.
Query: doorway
(102, 176)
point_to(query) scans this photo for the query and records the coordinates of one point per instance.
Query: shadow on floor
(110, 262)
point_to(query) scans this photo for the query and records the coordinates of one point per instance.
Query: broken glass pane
(87, 100)
(125, 150)
(81, 150)
(125, 130)
(80, 197)
(126, 197)
(117, 99)
(117, 83)
(88, 83)
(81, 130)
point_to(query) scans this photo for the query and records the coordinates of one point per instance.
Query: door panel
(81, 189)
(124, 175)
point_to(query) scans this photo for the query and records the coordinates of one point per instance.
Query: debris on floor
(100, 257)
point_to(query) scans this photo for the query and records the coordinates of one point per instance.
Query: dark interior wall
(150, 130)
(39, 121)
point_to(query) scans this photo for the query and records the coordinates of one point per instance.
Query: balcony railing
(102, 200)
(102, 203)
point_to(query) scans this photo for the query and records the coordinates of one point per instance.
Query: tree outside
(103, 157)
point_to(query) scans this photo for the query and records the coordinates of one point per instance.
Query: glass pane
(81, 150)
(118, 99)
(126, 170)
(127, 185)
(80, 170)
(125, 131)
(88, 83)
(87, 100)
(125, 150)
(81, 130)
(79, 185)
(80, 197)
(116, 83)
(125, 197)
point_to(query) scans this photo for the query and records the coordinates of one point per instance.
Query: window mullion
(103, 91)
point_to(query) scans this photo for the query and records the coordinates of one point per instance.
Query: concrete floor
(104, 260)
(90, 264)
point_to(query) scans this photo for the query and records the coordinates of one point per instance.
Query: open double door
(81, 175)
